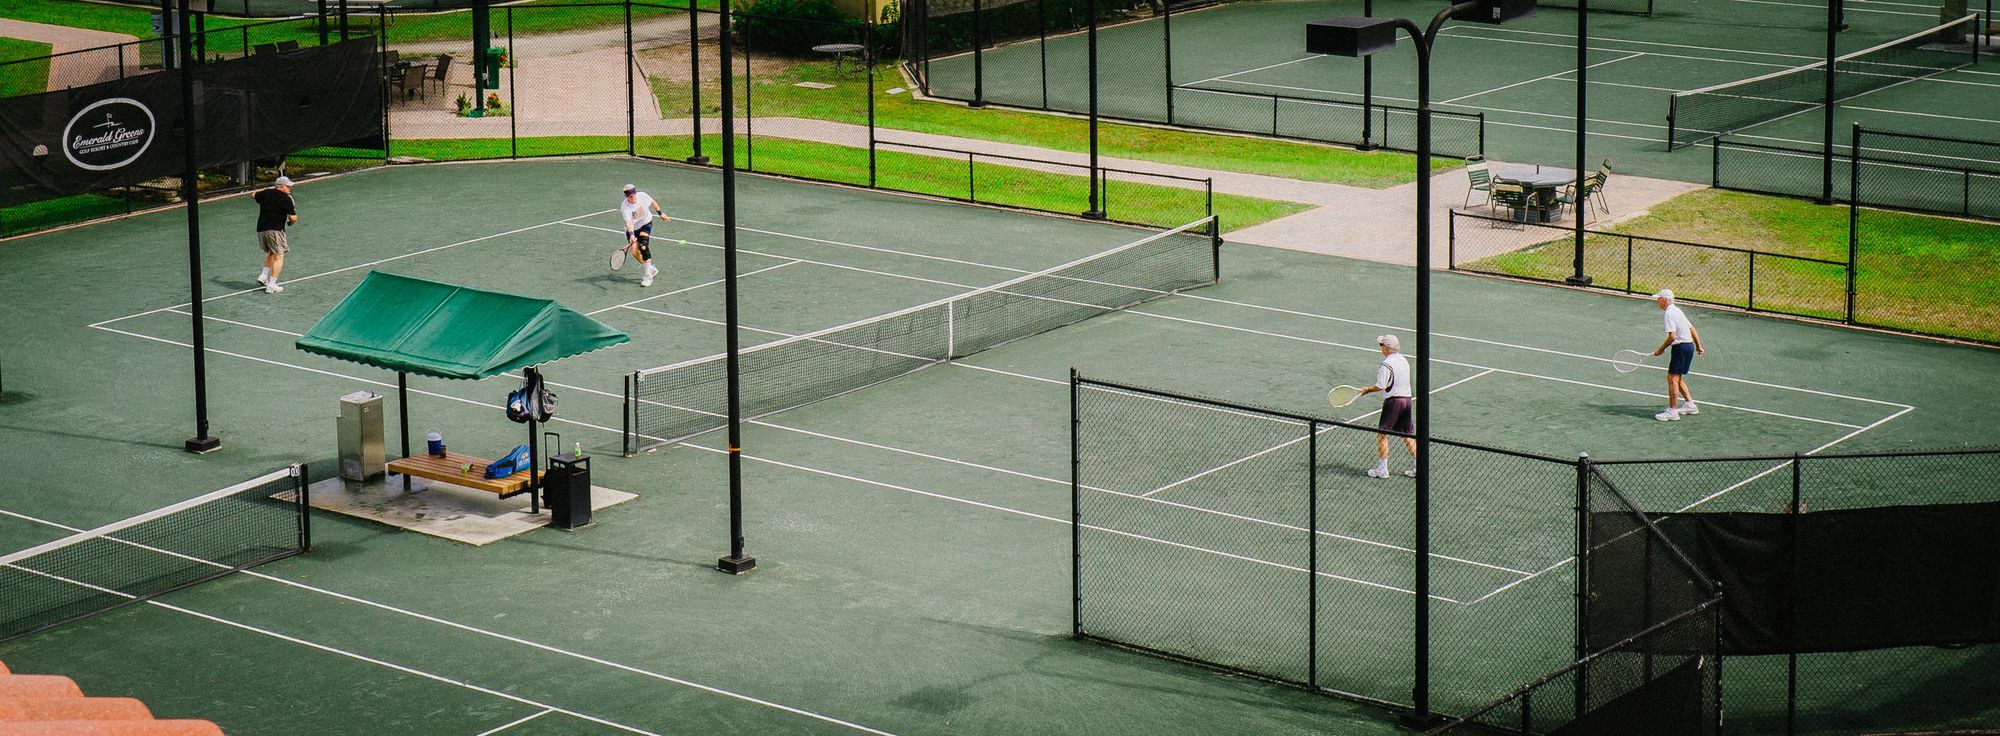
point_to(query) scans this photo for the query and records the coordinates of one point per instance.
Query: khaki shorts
(273, 241)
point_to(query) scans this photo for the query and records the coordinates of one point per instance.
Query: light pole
(1361, 37)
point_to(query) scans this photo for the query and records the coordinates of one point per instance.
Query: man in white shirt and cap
(638, 210)
(1685, 343)
(1392, 377)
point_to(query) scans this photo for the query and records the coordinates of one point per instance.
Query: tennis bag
(514, 462)
(532, 399)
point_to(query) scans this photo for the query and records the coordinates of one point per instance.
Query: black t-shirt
(273, 207)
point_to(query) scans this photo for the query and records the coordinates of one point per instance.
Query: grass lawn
(1914, 272)
(58, 212)
(137, 21)
(23, 78)
(995, 184)
(774, 94)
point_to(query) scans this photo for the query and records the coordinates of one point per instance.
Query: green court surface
(913, 538)
(1520, 75)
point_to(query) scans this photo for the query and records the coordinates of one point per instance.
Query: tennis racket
(1627, 361)
(1342, 396)
(618, 258)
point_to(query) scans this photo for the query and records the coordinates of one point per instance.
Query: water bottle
(579, 449)
(435, 442)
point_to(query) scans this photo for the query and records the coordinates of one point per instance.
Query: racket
(1342, 396)
(1627, 361)
(618, 258)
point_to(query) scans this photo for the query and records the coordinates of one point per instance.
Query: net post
(1582, 649)
(625, 412)
(1312, 554)
(1075, 512)
(302, 491)
(1451, 240)
(1215, 245)
(1715, 162)
(1673, 110)
(1853, 215)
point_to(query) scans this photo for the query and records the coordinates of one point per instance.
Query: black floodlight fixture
(1351, 35)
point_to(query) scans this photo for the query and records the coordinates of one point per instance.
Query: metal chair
(440, 70)
(1514, 197)
(1479, 178)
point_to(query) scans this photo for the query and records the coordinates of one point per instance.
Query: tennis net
(161, 551)
(1698, 115)
(672, 403)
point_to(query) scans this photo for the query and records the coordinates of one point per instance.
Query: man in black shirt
(274, 212)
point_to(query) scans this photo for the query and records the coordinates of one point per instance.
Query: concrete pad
(440, 509)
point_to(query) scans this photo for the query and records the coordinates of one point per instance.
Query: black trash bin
(566, 491)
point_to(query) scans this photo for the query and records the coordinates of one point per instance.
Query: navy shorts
(1396, 416)
(1680, 357)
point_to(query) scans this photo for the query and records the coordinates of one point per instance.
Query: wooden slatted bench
(446, 470)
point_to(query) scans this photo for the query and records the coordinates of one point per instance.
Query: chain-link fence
(1755, 280)
(978, 52)
(1254, 540)
(1845, 576)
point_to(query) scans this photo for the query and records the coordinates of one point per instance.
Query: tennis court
(1226, 72)
(912, 535)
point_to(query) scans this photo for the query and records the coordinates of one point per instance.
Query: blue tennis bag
(514, 462)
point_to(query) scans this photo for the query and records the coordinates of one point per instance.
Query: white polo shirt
(637, 211)
(1678, 324)
(1393, 376)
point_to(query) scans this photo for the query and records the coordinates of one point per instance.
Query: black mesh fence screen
(1857, 518)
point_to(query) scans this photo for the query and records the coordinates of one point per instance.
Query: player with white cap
(1685, 343)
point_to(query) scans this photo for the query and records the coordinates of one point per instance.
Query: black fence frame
(918, 55)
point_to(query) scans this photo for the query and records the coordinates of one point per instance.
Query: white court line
(1280, 446)
(313, 645)
(1557, 75)
(683, 444)
(1712, 496)
(1297, 313)
(490, 732)
(476, 630)
(1249, 71)
(1330, 343)
(1065, 522)
(683, 290)
(344, 269)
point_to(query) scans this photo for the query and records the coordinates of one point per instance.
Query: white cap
(630, 188)
(283, 181)
(1667, 294)
(1389, 341)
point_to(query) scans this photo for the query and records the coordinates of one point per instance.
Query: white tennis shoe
(1688, 408)
(1411, 473)
(1668, 416)
(651, 271)
(1378, 472)
(272, 287)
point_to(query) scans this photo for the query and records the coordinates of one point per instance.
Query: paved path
(1356, 222)
(75, 70)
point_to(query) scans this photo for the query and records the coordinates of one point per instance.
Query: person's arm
(1382, 376)
(1664, 343)
(291, 210)
(1696, 334)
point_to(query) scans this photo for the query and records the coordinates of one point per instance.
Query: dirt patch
(669, 73)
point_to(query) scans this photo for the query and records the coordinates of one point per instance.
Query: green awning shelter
(430, 328)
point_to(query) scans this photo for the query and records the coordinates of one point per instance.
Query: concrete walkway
(76, 70)
(1355, 222)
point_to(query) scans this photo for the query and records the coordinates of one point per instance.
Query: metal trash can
(359, 428)
(566, 491)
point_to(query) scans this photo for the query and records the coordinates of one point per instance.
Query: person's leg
(1381, 469)
(277, 261)
(1410, 443)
